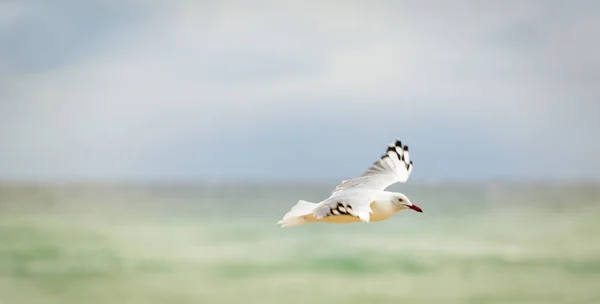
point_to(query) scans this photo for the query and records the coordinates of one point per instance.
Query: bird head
(402, 202)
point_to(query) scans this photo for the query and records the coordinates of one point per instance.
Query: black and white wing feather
(393, 167)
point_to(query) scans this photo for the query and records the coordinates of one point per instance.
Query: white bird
(362, 198)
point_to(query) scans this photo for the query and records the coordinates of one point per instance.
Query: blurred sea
(503, 242)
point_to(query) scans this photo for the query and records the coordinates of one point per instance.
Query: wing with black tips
(393, 167)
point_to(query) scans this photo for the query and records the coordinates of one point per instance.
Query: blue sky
(230, 90)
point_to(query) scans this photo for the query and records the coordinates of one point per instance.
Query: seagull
(362, 198)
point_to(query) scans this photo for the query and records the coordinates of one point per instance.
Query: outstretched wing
(393, 167)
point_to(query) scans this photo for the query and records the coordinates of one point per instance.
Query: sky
(298, 90)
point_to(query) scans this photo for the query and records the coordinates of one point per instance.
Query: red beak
(415, 208)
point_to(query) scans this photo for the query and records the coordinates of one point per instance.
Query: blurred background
(148, 148)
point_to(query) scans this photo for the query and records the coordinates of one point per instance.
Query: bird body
(363, 198)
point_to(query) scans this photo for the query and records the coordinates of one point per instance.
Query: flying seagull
(362, 198)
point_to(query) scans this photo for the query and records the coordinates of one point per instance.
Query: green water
(475, 243)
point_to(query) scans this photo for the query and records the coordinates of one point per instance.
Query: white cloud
(204, 67)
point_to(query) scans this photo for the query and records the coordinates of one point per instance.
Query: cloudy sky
(244, 90)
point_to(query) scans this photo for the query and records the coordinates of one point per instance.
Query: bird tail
(296, 215)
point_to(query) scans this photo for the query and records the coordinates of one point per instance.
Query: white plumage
(362, 198)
